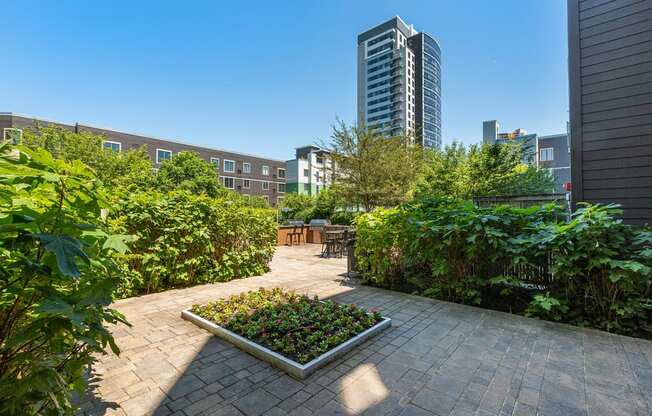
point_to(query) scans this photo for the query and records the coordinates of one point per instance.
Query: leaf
(55, 305)
(66, 249)
(117, 242)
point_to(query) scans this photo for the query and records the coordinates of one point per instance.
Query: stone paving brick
(236, 388)
(437, 359)
(256, 403)
(301, 411)
(284, 387)
(434, 401)
(144, 403)
(184, 386)
(207, 402)
(318, 400)
(228, 410)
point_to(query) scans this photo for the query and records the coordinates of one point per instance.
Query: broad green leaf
(117, 242)
(66, 250)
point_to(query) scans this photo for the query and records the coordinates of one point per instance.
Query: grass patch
(296, 326)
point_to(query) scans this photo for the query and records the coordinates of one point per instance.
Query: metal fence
(538, 274)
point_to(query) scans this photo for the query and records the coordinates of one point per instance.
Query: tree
(130, 169)
(497, 169)
(186, 170)
(443, 172)
(297, 207)
(373, 170)
(484, 170)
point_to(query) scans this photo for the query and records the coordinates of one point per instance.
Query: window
(229, 182)
(306, 187)
(13, 134)
(306, 173)
(265, 170)
(281, 188)
(229, 165)
(162, 155)
(281, 173)
(546, 154)
(279, 200)
(115, 146)
(246, 167)
(320, 160)
(265, 186)
(246, 183)
(216, 162)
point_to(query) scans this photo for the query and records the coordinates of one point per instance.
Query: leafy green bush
(186, 239)
(294, 325)
(599, 267)
(56, 280)
(593, 270)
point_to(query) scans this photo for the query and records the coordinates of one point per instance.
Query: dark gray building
(245, 174)
(553, 153)
(399, 81)
(610, 74)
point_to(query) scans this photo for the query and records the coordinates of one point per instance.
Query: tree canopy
(481, 170)
(186, 170)
(128, 169)
(373, 170)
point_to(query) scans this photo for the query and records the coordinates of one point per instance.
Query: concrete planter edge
(296, 370)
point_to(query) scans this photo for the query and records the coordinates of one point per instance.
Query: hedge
(184, 239)
(591, 270)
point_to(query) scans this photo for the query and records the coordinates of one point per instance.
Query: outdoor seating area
(334, 239)
(437, 358)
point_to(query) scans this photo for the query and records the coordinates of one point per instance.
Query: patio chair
(343, 242)
(297, 231)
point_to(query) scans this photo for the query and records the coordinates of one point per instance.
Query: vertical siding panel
(610, 78)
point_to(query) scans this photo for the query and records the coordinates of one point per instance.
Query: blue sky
(265, 77)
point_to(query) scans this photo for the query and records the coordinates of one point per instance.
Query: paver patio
(437, 359)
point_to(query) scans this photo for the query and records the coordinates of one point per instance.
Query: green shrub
(344, 217)
(599, 267)
(186, 239)
(56, 280)
(593, 270)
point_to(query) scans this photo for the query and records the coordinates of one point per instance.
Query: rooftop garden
(81, 226)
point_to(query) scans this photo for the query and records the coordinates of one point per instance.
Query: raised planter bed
(306, 362)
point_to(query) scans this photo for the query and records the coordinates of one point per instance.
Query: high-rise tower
(399, 81)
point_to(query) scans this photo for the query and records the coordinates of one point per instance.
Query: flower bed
(295, 326)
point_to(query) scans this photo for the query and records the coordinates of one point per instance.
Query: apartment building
(549, 152)
(310, 171)
(399, 82)
(243, 173)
